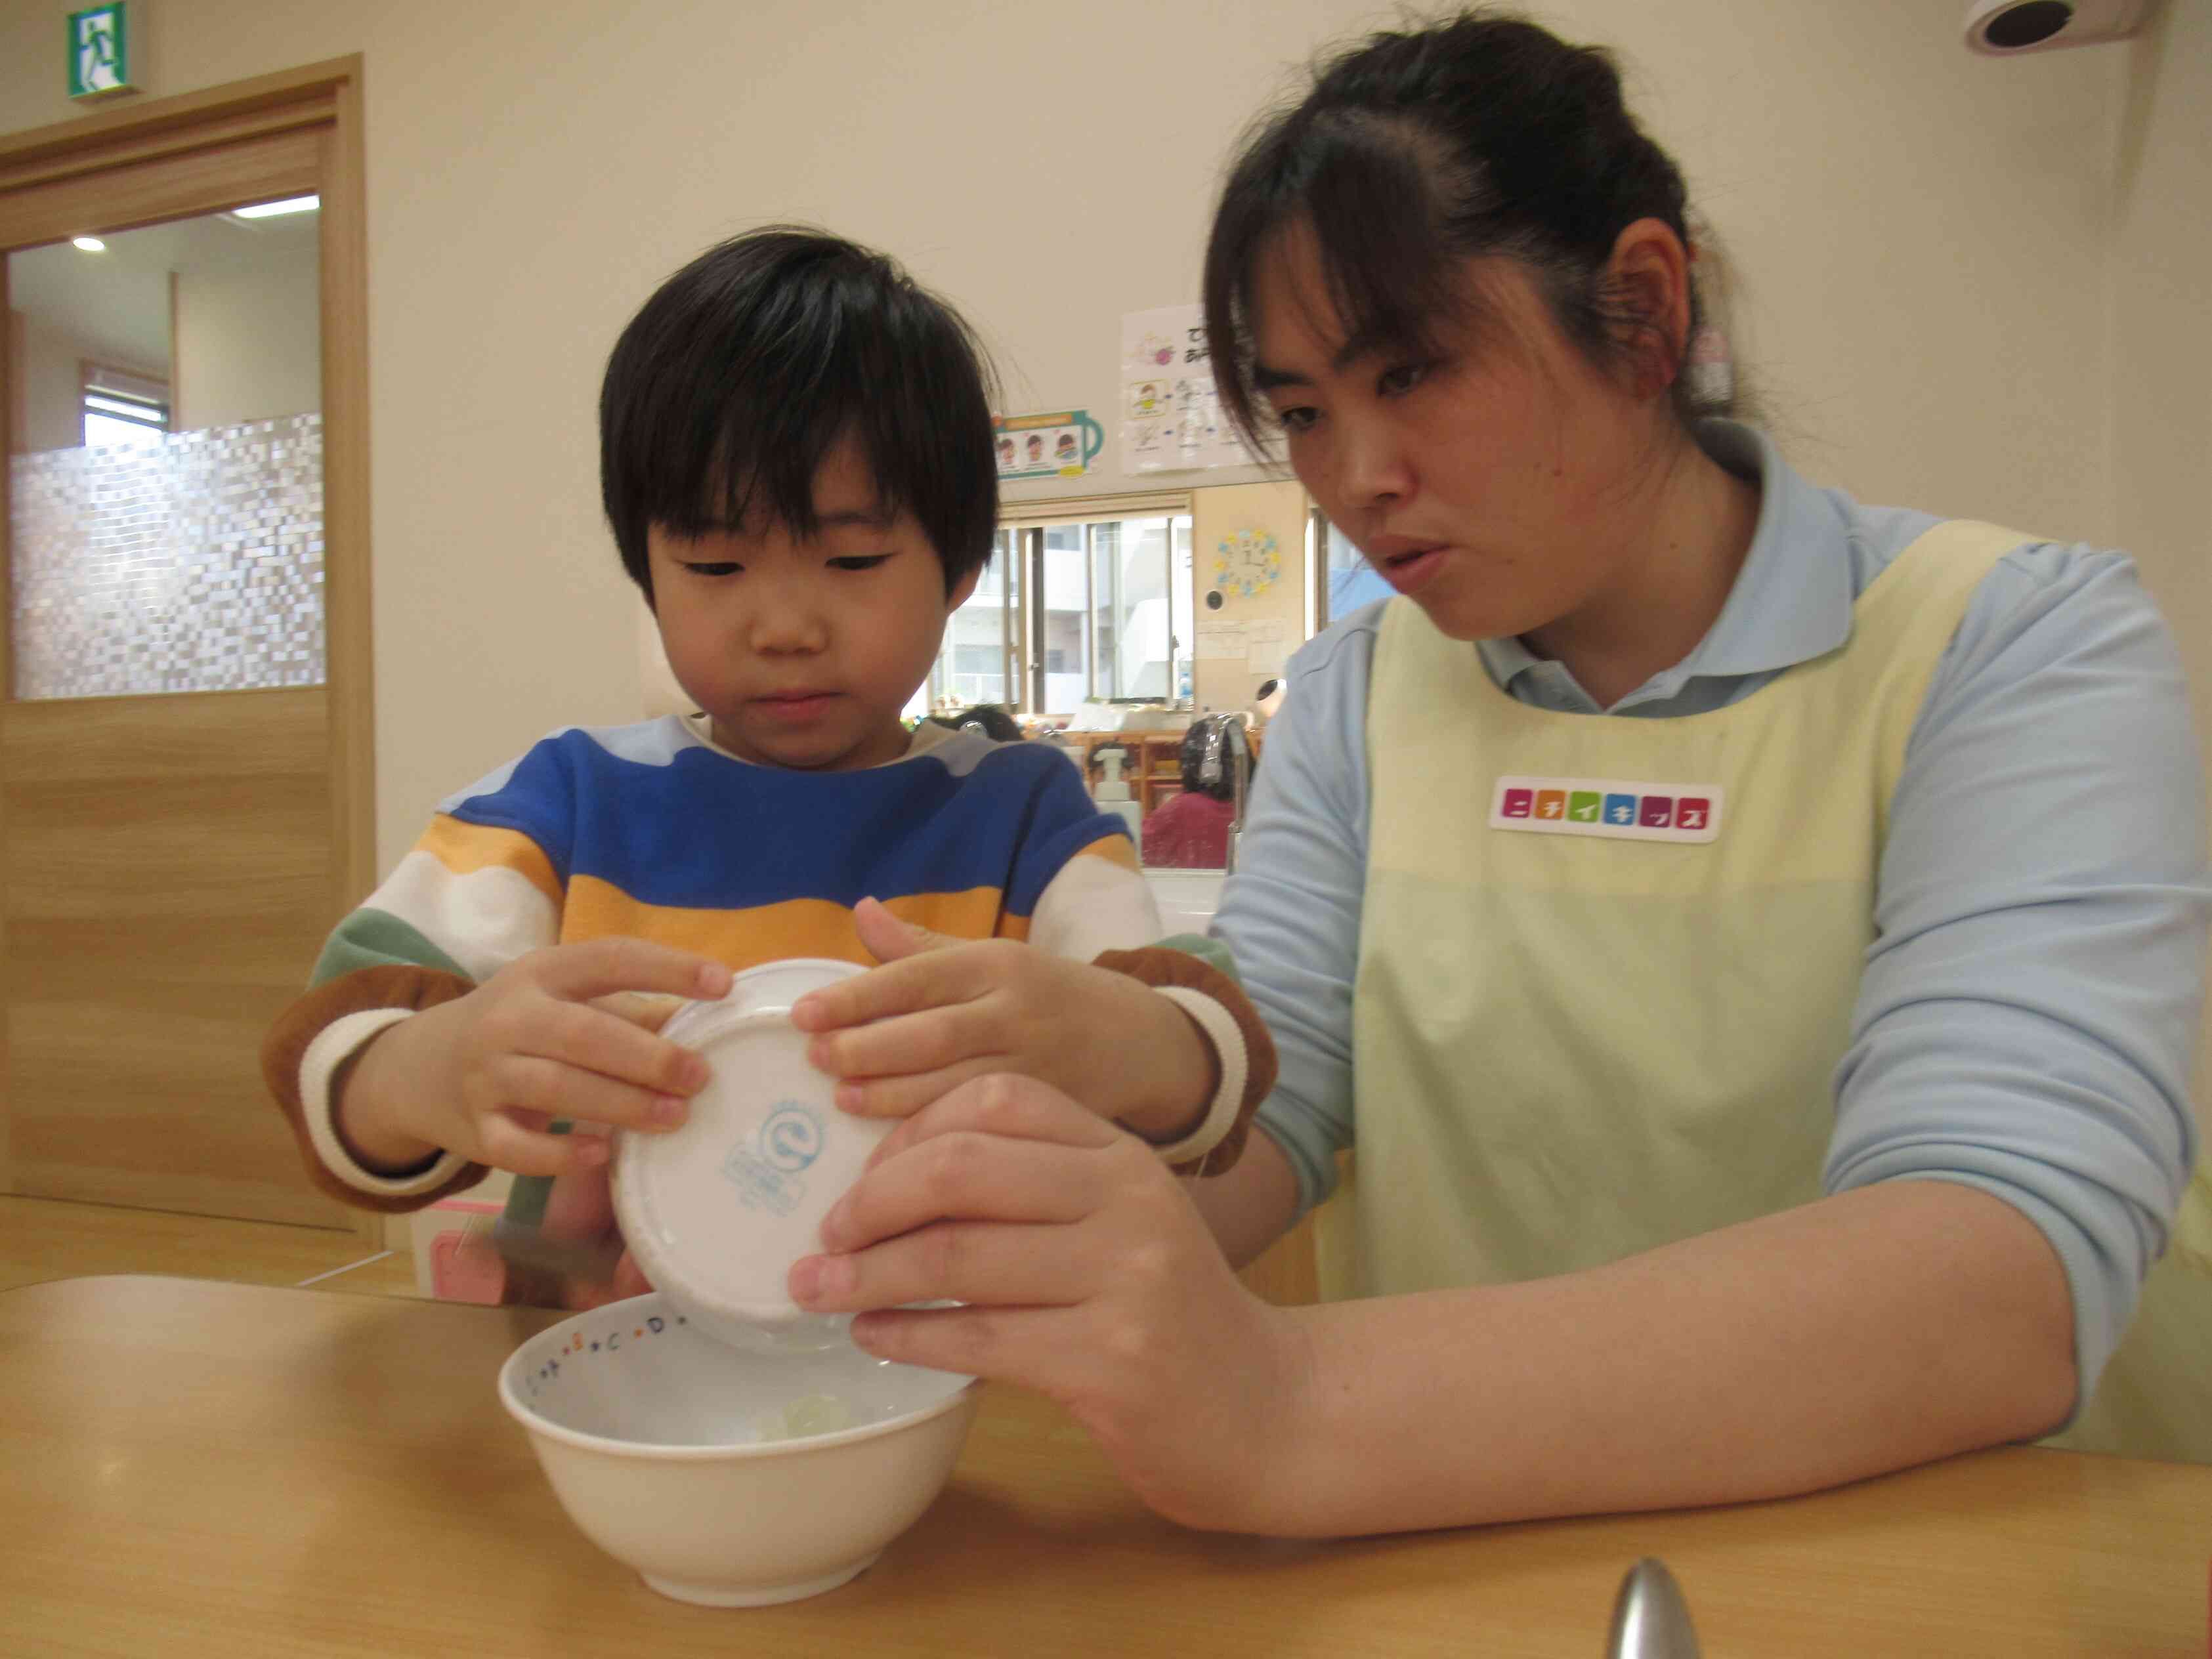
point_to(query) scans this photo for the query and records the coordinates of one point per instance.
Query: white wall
(1923, 235)
(49, 386)
(1927, 241)
(249, 343)
(2161, 330)
(2161, 420)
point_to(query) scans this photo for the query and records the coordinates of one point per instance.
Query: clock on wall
(1246, 561)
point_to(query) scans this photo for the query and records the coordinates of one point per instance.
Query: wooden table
(190, 1468)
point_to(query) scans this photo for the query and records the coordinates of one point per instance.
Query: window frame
(1024, 659)
(141, 399)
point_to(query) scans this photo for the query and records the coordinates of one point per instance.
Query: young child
(796, 459)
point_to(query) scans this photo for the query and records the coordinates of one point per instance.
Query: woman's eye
(720, 567)
(1395, 382)
(1296, 420)
(858, 562)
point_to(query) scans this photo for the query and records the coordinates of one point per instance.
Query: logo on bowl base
(765, 1167)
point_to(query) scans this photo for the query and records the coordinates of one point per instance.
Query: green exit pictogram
(100, 51)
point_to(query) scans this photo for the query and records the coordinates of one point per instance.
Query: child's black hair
(1483, 135)
(748, 365)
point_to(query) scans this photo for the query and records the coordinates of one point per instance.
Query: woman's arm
(1865, 1333)
(2027, 1018)
(1251, 1206)
(1290, 915)
(1860, 1333)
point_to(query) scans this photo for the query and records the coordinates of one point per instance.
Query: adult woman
(1761, 936)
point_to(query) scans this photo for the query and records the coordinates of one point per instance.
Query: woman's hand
(1088, 1275)
(942, 1012)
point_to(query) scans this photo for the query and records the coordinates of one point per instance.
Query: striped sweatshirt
(651, 831)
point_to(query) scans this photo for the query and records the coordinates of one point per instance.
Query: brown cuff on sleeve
(1159, 965)
(286, 1046)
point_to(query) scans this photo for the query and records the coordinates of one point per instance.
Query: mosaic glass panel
(192, 565)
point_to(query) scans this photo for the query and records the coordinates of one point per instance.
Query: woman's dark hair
(751, 363)
(1481, 137)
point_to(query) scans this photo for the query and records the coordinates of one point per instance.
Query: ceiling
(118, 301)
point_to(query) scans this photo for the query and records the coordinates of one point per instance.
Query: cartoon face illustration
(1006, 451)
(1036, 447)
(1064, 447)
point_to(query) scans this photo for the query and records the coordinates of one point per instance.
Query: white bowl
(717, 1211)
(728, 1477)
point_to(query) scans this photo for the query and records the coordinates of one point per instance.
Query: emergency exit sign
(100, 51)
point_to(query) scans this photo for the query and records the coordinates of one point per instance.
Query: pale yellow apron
(1586, 1032)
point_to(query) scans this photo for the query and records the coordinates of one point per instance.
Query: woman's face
(1497, 486)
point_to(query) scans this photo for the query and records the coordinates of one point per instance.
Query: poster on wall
(1059, 445)
(1171, 419)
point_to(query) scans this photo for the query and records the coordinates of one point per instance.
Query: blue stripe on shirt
(606, 805)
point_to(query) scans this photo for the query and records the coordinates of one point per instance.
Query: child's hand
(560, 1033)
(943, 1011)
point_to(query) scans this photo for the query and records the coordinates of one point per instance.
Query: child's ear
(960, 590)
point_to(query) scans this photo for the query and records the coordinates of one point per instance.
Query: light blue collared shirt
(2027, 1017)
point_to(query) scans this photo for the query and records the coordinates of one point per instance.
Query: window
(1064, 623)
(123, 409)
(1352, 581)
(1075, 610)
(975, 663)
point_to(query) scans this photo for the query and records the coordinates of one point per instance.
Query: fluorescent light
(122, 410)
(90, 244)
(271, 210)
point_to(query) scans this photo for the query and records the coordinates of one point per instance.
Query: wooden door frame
(293, 133)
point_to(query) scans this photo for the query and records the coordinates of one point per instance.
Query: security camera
(2006, 28)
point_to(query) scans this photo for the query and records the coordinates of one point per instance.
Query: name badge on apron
(1608, 808)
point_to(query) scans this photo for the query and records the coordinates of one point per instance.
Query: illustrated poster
(1058, 445)
(1171, 419)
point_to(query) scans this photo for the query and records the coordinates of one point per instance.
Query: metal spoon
(1650, 1620)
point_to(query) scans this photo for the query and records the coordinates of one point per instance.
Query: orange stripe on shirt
(464, 849)
(771, 932)
(979, 913)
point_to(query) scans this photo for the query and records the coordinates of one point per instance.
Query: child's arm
(543, 1039)
(445, 1026)
(405, 1082)
(1156, 1038)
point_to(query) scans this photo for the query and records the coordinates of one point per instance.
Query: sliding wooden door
(170, 859)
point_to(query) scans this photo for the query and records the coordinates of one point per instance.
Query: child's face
(804, 654)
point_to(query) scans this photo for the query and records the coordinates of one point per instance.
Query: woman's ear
(1647, 284)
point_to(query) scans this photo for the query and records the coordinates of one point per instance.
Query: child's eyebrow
(869, 518)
